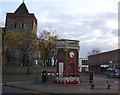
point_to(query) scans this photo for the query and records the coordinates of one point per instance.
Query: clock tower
(67, 58)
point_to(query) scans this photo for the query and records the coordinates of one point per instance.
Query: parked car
(117, 73)
(111, 73)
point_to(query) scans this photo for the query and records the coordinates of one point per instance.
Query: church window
(23, 26)
(15, 25)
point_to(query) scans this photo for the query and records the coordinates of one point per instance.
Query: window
(15, 25)
(23, 26)
(116, 65)
(83, 61)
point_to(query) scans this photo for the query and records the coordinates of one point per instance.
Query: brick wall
(23, 70)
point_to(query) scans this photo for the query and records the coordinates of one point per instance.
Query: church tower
(21, 20)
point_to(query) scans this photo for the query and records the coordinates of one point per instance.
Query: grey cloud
(75, 26)
(115, 32)
(81, 27)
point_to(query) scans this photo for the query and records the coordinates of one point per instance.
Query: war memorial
(67, 61)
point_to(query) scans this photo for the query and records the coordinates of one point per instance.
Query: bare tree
(94, 51)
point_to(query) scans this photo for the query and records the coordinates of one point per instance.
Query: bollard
(44, 76)
(91, 78)
(108, 85)
(92, 86)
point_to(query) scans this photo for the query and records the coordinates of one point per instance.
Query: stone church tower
(19, 21)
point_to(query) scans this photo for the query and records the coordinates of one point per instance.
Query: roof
(67, 40)
(22, 9)
(112, 51)
(22, 12)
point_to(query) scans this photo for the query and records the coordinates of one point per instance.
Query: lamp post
(36, 62)
(110, 63)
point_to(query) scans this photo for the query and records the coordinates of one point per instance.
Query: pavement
(62, 88)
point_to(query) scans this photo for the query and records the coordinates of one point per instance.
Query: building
(2, 44)
(20, 21)
(67, 61)
(83, 65)
(100, 62)
(67, 57)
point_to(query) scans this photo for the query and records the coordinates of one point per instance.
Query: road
(99, 80)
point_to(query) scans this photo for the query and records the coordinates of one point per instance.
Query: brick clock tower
(67, 59)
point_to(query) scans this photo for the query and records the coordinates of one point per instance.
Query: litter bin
(91, 77)
(44, 75)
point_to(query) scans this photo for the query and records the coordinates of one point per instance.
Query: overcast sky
(93, 22)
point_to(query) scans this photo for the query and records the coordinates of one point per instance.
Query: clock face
(71, 54)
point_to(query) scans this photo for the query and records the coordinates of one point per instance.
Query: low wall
(24, 70)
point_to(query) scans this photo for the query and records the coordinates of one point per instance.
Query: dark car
(117, 73)
(111, 73)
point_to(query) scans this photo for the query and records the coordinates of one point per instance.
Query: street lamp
(36, 62)
(110, 64)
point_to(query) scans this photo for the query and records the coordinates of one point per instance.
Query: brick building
(67, 61)
(2, 45)
(100, 62)
(67, 57)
